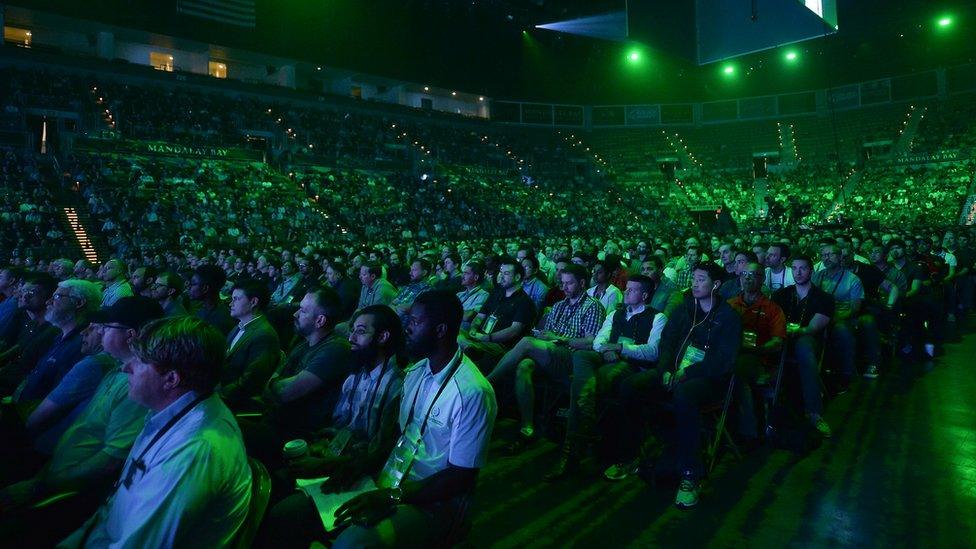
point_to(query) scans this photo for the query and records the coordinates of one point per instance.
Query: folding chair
(721, 410)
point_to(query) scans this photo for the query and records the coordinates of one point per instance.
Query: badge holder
(489, 324)
(693, 355)
(339, 442)
(401, 459)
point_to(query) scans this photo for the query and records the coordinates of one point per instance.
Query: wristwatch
(396, 494)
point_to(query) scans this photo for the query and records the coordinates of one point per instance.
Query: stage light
(634, 56)
(945, 21)
(791, 56)
(729, 70)
(609, 26)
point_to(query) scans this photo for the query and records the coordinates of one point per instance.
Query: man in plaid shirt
(569, 326)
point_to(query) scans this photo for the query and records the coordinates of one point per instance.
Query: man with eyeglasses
(30, 334)
(763, 331)
(88, 456)
(848, 293)
(167, 290)
(69, 309)
(290, 285)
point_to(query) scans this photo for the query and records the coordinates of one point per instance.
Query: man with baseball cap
(88, 457)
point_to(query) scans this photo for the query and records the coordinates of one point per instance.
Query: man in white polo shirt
(446, 417)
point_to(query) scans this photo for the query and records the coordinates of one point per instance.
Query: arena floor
(899, 471)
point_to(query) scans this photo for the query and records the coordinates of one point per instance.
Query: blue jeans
(805, 354)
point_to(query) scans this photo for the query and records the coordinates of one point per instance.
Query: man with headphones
(699, 347)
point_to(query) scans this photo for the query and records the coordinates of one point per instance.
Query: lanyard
(372, 399)
(138, 463)
(796, 302)
(413, 405)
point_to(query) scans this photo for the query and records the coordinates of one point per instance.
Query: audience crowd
(349, 332)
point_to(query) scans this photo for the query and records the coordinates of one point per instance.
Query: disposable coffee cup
(295, 448)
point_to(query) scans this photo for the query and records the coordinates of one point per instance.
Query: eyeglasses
(750, 274)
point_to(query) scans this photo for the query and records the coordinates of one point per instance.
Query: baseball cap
(132, 312)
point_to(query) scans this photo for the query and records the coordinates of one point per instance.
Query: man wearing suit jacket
(252, 346)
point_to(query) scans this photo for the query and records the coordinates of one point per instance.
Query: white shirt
(460, 422)
(647, 351)
(358, 409)
(775, 281)
(195, 488)
(240, 332)
(610, 299)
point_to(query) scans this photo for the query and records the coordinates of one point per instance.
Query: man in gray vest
(626, 343)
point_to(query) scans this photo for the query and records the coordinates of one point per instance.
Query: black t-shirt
(801, 311)
(871, 278)
(517, 307)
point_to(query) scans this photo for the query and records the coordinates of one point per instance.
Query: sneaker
(687, 496)
(620, 471)
(567, 466)
(521, 443)
(871, 372)
(821, 426)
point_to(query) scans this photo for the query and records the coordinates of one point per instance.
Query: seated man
(88, 456)
(299, 398)
(32, 333)
(532, 282)
(733, 286)
(472, 295)
(666, 297)
(363, 431)
(348, 288)
(376, 290)
(504, 318)
(808, 311)
(419, 274)
(446, 419)
(113, 274)
(778, 274)
(252, 346)
(764, 331)
(69, 309)
(186, 480)
(848, 293)
(569, 326)
(204, 292)
(627, 343)
(699, 347)
(606, 293)
(290, 285)
(168, 291)
(58, 409)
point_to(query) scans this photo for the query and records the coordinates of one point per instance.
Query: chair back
(260, 494)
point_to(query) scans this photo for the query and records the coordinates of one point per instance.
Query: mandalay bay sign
(160, 148)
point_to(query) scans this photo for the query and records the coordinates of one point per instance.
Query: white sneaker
(687, 496)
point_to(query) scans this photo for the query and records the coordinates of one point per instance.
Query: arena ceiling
(492, 47)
